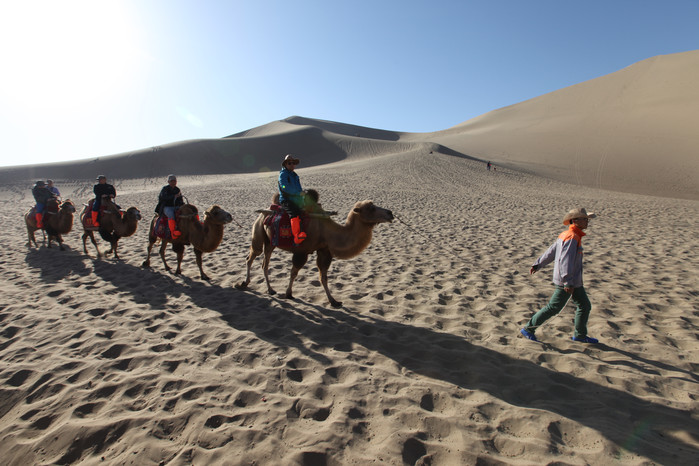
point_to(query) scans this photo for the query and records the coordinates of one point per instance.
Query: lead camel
(327, 238)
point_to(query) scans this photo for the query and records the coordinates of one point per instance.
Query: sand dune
(104, 362)
(632, 131)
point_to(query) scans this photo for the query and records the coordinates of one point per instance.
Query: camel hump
(311, 195)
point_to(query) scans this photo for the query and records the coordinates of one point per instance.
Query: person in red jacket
(567, 255)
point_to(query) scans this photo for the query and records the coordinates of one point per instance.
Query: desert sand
(104, 362)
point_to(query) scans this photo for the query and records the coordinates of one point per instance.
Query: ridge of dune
(290, 123)
(633, 130)
(259, 149)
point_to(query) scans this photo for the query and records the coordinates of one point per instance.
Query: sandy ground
(103, 362)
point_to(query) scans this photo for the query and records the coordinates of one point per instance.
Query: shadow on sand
(641, 427)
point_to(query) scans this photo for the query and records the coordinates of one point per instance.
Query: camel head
(68, 207)
(132, 213)
(370, 213)
(218, 215)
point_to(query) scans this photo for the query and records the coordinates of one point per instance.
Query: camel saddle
(280, 224)
(51, 207)
(87, 218)
(161, 229)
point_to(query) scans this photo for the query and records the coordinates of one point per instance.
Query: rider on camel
(41, 195)
(169, 200)
(291, 196)
(53, 189)
(101, 189)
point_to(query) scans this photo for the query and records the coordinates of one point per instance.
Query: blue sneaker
(585, 339)
(528, 334)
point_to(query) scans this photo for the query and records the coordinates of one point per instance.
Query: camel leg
(59, 240)
(323, 260)
(248, 262)
(179, 249)
(163, 246)
(151, 242)
(113, 249)
(298, 260)
(31, 237)
(268, 248)
(91, 235)
(257, 247)
(198, 254)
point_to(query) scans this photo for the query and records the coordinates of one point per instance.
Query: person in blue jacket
(53, 189)
(291, 196)
(567, 255)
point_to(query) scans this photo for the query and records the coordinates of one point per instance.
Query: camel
(325, 237)
(58, 221)
(204, 237)
(113, 226)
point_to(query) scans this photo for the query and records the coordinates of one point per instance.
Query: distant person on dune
(169, 200)
(567, 255)
(101, 189)
(291, 196)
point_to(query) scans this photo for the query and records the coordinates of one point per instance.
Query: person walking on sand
(291, 196)
(567, 255)
(101, 189)
(169, 200)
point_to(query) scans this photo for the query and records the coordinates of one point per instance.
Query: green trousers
(557, 303)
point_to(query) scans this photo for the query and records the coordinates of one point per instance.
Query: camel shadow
(146, 286)
(632, 423)
(55, 265)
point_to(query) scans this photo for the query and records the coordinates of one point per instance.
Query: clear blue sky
(83, 79)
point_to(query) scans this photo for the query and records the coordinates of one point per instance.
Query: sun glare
(65, 55)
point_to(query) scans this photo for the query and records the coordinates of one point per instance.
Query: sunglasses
(292, 163)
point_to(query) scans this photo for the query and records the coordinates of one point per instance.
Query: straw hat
(290, 158)
(171, 177)
(580, 212)
(40, 183)
(100, 177)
